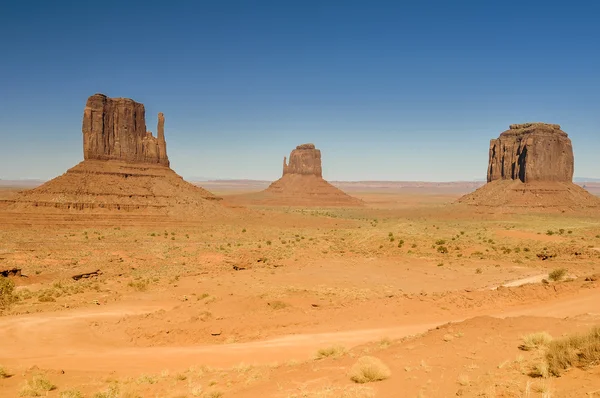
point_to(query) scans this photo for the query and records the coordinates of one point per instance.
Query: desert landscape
(121, 279)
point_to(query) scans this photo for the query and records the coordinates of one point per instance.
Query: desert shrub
(335, 351)
(7, 296)
(561, 231)
(557, 274)
(111, 392)
(213, 394)
(368, 369)
(71, 394)
(139, 285)
(478, 271)
(549, 232)
(268, 243)
(37, 386)
(278, 305)
(440, 242)
(540, 370)
(533, 341)
(3, 373)
(579, 351)
(46, 297)
(442, 249)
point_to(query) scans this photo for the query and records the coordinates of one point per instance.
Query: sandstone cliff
(531, 152)
(115, 129)
(302, 183)
(125, 168)
(305, 160)
(531, 167)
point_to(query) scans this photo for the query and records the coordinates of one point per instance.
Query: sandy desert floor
(284, 301)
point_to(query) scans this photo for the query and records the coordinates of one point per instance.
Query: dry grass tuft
(534, 341)
(369, 369)
(579, 351)
(335, 351)
(540, 370)
(336, 392)
(71, 394)
(3, 373)
(35, 387)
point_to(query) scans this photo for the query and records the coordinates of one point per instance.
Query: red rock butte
(531, 165)
(302, 183)
(125, 168)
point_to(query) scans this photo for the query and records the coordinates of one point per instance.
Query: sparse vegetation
(37, 386)
(335, 351)
(3, 373)
(71, 394)
(557, 274)
(278, 305)
(534, 341)
(442, 249)
(369, 369)
(579, 350)
(7, 296)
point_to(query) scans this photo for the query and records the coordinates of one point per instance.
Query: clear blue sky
(388, 90)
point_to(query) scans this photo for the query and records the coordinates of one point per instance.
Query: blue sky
(388, 90)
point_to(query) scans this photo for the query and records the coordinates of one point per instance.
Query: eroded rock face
(305, 160)
(531, 152)
(115, 129)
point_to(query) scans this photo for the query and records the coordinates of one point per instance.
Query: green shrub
(557, 274)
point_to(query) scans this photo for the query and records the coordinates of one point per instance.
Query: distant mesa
(531, 165)
(302, 183)
(124, 168)
(531, 152)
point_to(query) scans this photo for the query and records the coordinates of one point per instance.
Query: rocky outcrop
(531, 152)
(125, 169)
(304, 160)
(302, 183)
(115, 129)
(531, 168)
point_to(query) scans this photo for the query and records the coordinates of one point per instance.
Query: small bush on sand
(335, 351)
(368, 369)
(3, 373)
(557, 274)
(278, 305)
(540, 370)
(534, 341)
(35, 387)
(7, 296)
(580, 351)
(71, 394)
(442, 249)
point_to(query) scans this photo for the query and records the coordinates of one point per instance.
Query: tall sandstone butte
(302, 183)
(115, 129)
(125, 168)
(531, 152)
(305, 160)
(531, 166)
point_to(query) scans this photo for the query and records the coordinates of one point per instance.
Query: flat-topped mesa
(115, 129)
(305, 160)
(531, 152)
